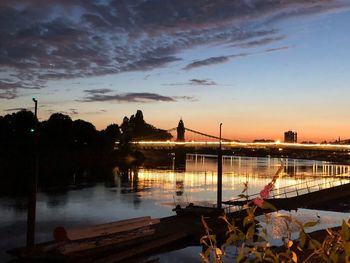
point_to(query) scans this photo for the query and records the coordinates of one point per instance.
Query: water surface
(153, 192)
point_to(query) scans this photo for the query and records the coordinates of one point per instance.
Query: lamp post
(33, 187)
(35, 107)
(219, 190)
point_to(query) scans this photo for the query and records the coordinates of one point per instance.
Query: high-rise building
(291, 137)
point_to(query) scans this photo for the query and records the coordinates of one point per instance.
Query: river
(154, 192)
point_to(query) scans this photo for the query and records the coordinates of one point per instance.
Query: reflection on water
(277, 225)
(154, 192)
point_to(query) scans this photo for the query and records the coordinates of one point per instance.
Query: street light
(32, 192)
(219, 186)
(36, 107)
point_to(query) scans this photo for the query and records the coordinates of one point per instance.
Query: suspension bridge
(200, 140)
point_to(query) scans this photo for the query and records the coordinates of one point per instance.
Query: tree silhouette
(137, 129)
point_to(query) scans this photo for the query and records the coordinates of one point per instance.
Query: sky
(260, 67)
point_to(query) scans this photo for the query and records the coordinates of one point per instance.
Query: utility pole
(33, 186)
(219, 191)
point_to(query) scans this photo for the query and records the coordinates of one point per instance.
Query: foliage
(253, 247)
(66, 148)
(137, 129)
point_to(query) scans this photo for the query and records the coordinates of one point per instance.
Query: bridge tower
(180, 131)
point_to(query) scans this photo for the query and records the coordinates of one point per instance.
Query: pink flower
(258, 201)
(265, 193)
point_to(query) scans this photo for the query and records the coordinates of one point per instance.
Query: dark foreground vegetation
(67, 151)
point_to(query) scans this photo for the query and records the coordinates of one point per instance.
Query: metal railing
(289, 191)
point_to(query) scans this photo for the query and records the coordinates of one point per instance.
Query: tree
(136, 128)
(110, 135)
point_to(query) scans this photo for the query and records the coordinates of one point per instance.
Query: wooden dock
(122, 240)
(119, 241)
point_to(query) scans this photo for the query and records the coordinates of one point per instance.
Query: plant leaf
(310, 224)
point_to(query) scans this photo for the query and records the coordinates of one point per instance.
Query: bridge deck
(226, 145)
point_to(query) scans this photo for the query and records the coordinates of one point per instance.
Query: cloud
(14, 109)
(223, 59)
(194, 82)
(212, 61)
(44, 40)
(189, 98)
(130, 97)
(202, 82)
(261, 42)
(8, 94)
(276, 49)
(73, 112)
(97, 91)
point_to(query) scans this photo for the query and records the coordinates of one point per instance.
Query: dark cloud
(223, 59)
(276, 49)
(208, 61)
(8, 94)
(261, 42)
(194, 82)
(14, 109)
(130, 97)
(212, 60)
(43, 40)
(189, 98)
(97, 91)
(202, 82)
(73, 112)
(148, 63)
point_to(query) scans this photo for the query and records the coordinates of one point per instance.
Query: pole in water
(219, 190)
(33, 187)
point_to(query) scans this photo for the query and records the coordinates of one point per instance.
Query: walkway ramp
(300, 195)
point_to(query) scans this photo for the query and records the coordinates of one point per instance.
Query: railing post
(219, 186)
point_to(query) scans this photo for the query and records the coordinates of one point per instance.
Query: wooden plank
(143, 248)
(104, 229)
(76, 247)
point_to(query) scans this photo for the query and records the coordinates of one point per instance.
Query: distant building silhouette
(291, 137)
(180, 131)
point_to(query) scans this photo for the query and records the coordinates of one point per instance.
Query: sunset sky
(260, 67)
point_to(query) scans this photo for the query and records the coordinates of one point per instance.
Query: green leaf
(347, 252)
(250, 232)
(246, 221)
(264, 231)
(241, 258)
(268, 206)
(231, 239)
(207, 252)
(310, 224)
(269, 255)
(333, 257)
(303, 243)
(213, 238)
(345, 234)
(314, 244)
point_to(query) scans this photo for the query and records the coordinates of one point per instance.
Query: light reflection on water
(277, 226)
(152, 192)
